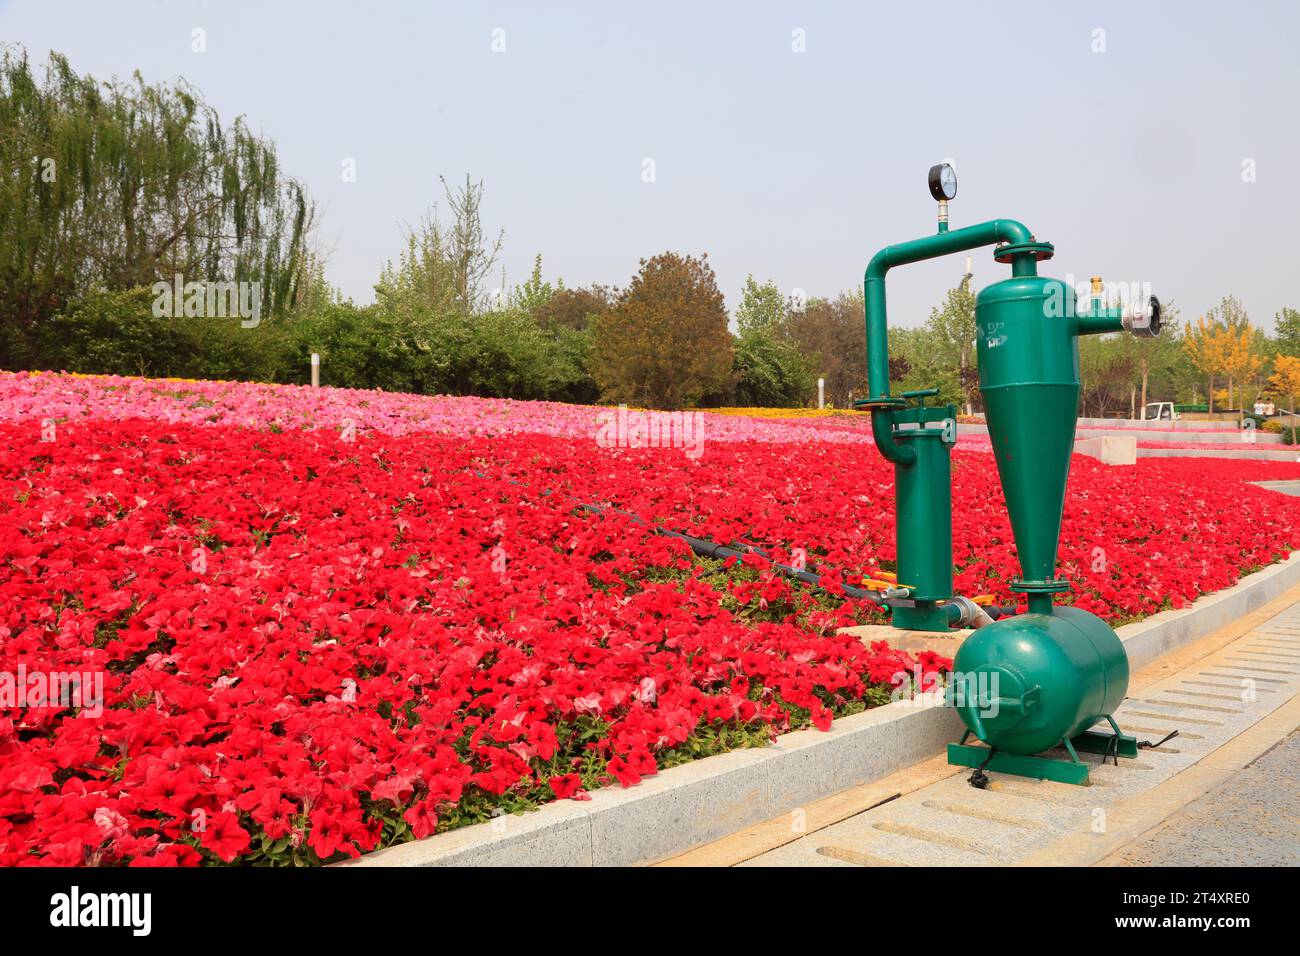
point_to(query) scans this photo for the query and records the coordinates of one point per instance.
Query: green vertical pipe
(924, 516)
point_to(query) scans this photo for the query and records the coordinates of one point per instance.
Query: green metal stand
(1073, 771)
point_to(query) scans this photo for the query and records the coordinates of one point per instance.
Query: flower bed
(313, 643)
(310, 648)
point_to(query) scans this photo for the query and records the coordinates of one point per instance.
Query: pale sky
(1124, 133)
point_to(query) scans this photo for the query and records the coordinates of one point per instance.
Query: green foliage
(503, 353)
(1107, 373)
(114, 185)
(1286, 327)
(113, 333)
(771, 372)
(762, 307)
(919, 358)
(534, 294)
(445, 264)
(832, 333)
(116, 333)
(665, 343)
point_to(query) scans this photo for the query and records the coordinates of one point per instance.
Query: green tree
(1287, 330)
(832, 333)
(573, 308)
(761, 307)
(533, 294)
(117, 185)
(665, 343)
(444, 267)
(1156, 361)
(770, 371)
(1107, 371)
(952, 344)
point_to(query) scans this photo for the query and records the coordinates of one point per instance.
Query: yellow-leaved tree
(1209, 346)
(1286, 379)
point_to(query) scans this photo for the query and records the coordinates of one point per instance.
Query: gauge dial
(943, 182)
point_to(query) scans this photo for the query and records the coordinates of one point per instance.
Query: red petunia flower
(566, 785)
(223, 835)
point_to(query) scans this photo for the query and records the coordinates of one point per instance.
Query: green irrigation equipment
(1027, 684)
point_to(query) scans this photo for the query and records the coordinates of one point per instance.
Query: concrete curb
(1286, 453)
(709, 798)
(1083, 432)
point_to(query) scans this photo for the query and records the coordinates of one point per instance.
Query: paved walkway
(1226, 790)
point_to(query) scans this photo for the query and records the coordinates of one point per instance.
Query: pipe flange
(1013, 250)
(1040, 587)
(871, 404)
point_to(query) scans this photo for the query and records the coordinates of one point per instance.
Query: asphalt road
(1253, 820)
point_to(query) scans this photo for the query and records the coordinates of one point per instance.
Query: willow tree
(120, 184)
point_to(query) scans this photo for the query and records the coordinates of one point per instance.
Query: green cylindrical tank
(1025, 683)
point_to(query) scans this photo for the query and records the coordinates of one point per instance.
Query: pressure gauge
(943, 182)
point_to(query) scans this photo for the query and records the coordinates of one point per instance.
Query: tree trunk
(1146, 373)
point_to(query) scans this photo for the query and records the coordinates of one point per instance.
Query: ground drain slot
(1242, 666)
(1183, 720)
(1189, 705)
(845, 855)
(1260, 680)
(1162, 732)
(927, 836)
(1237, 687)
(980, 813)
(1045, 792)
(1098, 760)
(1203, 694)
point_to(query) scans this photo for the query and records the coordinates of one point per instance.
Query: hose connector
(969, 614)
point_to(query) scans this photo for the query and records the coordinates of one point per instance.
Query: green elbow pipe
(882, 432)
(929, 247)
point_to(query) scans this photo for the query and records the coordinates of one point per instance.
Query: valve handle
(921, 394)
(1022, 706)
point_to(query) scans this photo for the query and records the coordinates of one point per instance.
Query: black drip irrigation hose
(705, 548)
(979, 779)
(1148, 745)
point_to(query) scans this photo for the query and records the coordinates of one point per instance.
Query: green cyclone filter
(1027, 340)
(1029, 378)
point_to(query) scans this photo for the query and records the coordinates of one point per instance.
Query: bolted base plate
(1073, 770)
(924, 616)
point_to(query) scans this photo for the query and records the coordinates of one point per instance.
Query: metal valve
(1143, 318)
